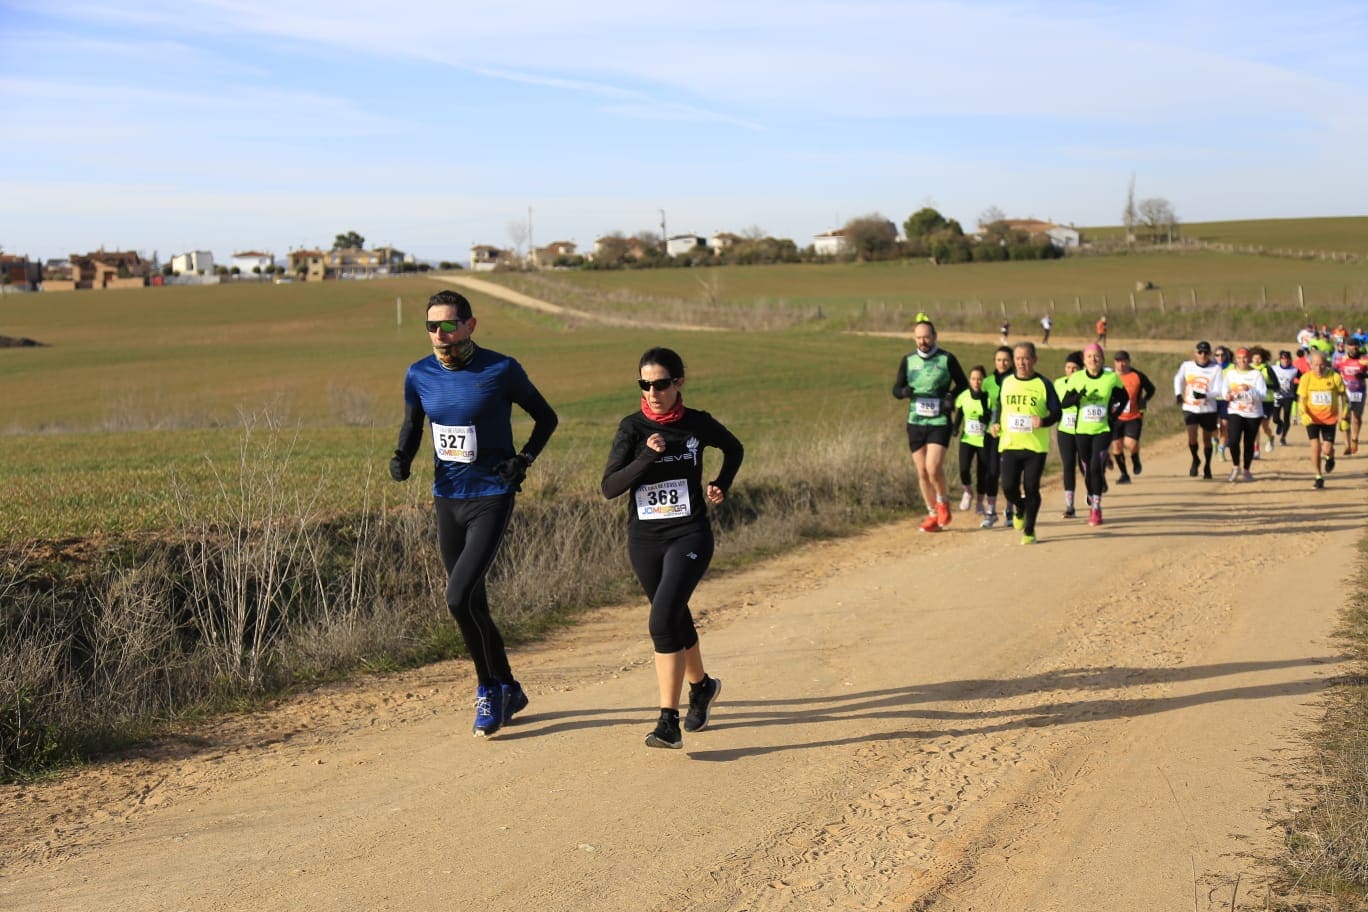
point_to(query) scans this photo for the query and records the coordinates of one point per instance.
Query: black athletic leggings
(1092, 452)
(990, 459)
(468, 534)
(1068, 458)
(1282, 415)
(1022, 469)
(669, 571)
(1243, 430)
(977, 458)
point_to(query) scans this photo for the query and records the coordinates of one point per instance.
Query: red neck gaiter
(674, 414)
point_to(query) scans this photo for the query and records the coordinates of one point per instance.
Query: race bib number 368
(455, 443)
(663, 500)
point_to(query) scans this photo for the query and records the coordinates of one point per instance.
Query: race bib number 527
(455, 443)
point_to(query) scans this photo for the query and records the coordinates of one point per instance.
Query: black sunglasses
(659, 386)
(447, 326)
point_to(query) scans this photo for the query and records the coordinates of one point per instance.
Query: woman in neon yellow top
(971, 417)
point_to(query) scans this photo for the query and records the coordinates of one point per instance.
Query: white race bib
(454, 443)
(1356, 396)
(1069, 420)
(1020, 424)
(1093, 413)
(928, 408)
(1320, 397)
(663, 500)
(973, 428)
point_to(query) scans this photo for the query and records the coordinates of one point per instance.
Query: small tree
(1158, 217)
(349, 241)
(991, 216)
(925, 221)
(871, 237)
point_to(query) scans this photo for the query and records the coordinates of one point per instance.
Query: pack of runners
(1001, 419)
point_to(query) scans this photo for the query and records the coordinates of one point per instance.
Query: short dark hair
(1121, 355)
(448, 298)
(667, 358)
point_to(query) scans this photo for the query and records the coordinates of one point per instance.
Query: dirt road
(909, 721)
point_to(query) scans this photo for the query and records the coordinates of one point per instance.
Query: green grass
(1347, 234)
(1226, 294)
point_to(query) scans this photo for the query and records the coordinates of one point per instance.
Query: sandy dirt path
(909, 721)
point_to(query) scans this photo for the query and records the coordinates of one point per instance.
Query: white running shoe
(1268, 446)
(966, 501)
(1234, 474)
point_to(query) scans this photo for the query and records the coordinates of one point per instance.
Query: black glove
(399, 467)
(513, 470)
(1071, 398)
(1177, 398)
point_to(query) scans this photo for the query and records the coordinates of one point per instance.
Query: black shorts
(1221, 409)
(1204, 420)
(1324, 432)
(1129, 429)
(1356, 408)
(919, 435)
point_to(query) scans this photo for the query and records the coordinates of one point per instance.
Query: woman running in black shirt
(657, 459)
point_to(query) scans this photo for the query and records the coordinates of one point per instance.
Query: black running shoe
(666, 732)
(1135, 463)
(1320, 483)
(1196, 464)
(1206, 472)
(1124, 479)
(701, 697)
(1330, 463)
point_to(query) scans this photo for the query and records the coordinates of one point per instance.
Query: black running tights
(468, 534)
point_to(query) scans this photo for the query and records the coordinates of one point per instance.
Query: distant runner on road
(1064, 433)
(1128, 425)
(1323, 404)
(1026, 409)
(931, 378)
(1352, 368)
(1196, 387)
(1245, 386)
(1098, 396)
(971, 417)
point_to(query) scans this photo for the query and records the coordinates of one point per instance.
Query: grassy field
(141, 397)
(1215, 294)
(1327, 235)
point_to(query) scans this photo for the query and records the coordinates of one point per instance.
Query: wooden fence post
(1162, 308)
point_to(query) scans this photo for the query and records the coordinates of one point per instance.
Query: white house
(252, 262)
(830, 243)
(684, 243)
(195, 262)
(486, 258)
(1062, 236)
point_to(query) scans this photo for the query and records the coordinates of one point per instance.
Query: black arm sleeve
(628, 459)
(1052, 407)
(1146, 387)
(1120, 399)
(544, 421)
(410, 432)
(900, 390)
(958, 381)
(732, 454)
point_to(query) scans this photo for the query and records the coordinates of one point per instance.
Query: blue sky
(239, 124)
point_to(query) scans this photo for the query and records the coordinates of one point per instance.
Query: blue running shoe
(515, 700)
(489, 710)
